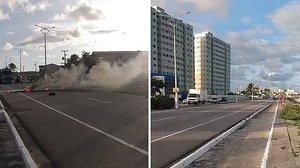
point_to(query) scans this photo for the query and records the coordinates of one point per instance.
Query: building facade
(162, 56)
(212, 63)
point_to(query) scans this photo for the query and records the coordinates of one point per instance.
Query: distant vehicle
(223, 100)
(214, 100)
(6, 76)
(184, 101)
(196, 96)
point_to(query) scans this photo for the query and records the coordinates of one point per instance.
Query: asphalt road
(78, 129)
(176, 133)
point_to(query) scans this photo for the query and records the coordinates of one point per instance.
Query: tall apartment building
(212, 63)
(162, 56)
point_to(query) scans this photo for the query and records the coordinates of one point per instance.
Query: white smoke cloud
(104, 75)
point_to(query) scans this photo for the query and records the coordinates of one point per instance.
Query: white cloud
(10, 33)
(3, 16)
(30, 8)
(84, 11)
(218, 7)
(7, 46)
(59, 17)
(246, 20)
(160, 3)
(26, 5)
(286, 18)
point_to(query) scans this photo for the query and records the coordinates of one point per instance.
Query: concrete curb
(29, 163)
(199, 152)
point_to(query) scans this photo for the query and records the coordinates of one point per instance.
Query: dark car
(223, 100)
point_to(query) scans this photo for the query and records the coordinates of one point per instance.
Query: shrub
(291, 112)
(161, 102)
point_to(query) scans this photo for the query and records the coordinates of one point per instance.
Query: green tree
(12, 67)
(88, 60)
(74, 59)
(252, 89)
(156, 85)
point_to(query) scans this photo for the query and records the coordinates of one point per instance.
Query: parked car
(214, 100)
(223, 100)
(184, 101)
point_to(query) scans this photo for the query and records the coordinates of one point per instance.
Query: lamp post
(45, 30)
(20, 51)
(172, 21)
(237, 76)
(35, 68)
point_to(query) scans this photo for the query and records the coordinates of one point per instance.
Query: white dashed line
(91, 127)
(162, 119)
(102, 101)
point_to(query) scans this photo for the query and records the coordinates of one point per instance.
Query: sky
(264, 37)
(80, 25)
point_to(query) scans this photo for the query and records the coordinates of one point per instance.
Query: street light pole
(45, 30)
(20, 51)
(173, 23)
(35, 68)
(175, 64)
(237, 76)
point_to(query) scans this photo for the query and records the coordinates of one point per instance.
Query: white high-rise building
(212, 63)
(162, 60)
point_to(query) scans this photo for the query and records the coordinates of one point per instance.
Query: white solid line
(29, 162)
(268, 146)
(195, 126)
(163, 119)
(97, 100)
(91, 127)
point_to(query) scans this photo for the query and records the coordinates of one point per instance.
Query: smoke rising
(106, 75)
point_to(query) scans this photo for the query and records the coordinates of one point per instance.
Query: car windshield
(192, 95)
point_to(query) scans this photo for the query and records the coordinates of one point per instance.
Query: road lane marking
(198, 125)
(268, 146)
(97, 100)
(162, 119)
(91, 127)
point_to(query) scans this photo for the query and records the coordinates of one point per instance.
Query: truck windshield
(192, 95)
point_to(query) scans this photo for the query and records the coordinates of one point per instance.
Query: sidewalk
(9, 154)
(285, 149)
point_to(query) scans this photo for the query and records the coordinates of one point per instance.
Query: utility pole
(20, 51)
(237, 76)
(35, 68)
(23, 68)
(5, 62)
(64, 56)
(174, 22)
(45, 30)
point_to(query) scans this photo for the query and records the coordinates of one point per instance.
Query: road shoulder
(285, 149)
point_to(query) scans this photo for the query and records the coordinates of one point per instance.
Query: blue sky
(264, 35)
(80, 25)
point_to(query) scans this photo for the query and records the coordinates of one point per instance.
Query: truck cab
(196, 96)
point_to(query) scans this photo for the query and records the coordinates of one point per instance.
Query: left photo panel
(74, 83)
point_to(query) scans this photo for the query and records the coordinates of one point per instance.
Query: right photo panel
(224, 83)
